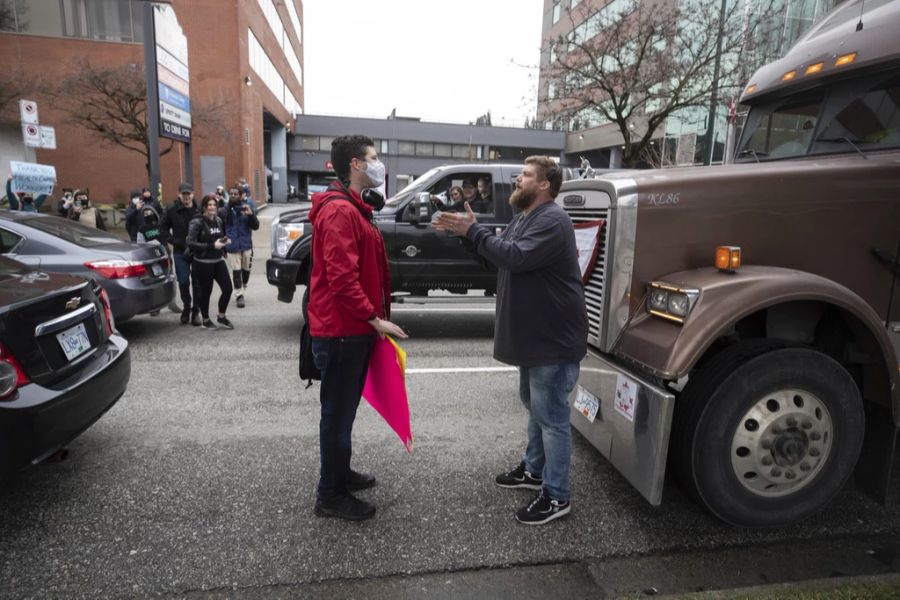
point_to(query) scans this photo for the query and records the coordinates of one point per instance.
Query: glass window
(38, 18)
(7, 15)
(462, 151)
(871, 121)
(423, 149)
(556, 10)
(407, 148)
(109, 20)
(443, 150)
(784, 132)
(325, 143)
(382, 147)
(309, 142)
(8, 241)
(70, 231)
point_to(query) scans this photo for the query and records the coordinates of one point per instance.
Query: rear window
(70, 231)
(10, 267)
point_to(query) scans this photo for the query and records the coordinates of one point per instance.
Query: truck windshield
(412, 189)
(780, 131)
(869, 121)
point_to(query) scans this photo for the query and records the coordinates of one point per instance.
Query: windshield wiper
(846, 140)
(752, 152)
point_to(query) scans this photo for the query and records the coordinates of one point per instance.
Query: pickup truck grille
(593, 290)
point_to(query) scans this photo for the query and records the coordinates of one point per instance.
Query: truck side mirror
(420, 208)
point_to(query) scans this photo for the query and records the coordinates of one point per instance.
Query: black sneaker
(240, 302)
(195, 319)
(519, 478)
(208, 324)
(185, 316)
(542, 509)
(359, 481)
(224, 323)
(344, 507)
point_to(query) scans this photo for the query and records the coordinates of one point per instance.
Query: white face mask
(375, 172)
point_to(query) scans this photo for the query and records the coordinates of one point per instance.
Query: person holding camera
(207, 240)
(240, 223)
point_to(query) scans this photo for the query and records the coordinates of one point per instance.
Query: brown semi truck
(745, 319)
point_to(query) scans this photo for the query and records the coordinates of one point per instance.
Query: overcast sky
(441, 61)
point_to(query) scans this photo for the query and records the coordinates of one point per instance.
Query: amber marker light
(813, 69)
(728, 258)
(789, 75)
(750, 89)
(845, 59)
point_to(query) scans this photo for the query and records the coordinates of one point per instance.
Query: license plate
(587, 404)
(74, 341)
(157, 269)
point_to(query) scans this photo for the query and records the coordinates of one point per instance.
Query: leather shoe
(359, 481)
(195, 319)
(344, 506)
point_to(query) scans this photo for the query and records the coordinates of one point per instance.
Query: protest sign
(33, 178)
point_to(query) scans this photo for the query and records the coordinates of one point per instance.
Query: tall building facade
(246, 89)
(686, 133)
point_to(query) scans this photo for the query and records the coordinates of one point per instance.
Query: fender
(671, 349)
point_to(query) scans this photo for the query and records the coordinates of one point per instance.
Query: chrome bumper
(635, 437)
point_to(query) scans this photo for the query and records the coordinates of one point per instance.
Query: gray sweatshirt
(541, 316)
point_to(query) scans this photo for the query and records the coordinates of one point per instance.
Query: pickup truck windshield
(415, 187)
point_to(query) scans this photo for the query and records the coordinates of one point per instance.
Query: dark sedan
(137, 277)
(62, 363)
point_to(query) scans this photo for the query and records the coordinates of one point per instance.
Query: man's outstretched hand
(455, 222)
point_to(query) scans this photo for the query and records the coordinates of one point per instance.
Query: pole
(152, 108)
(714, 95)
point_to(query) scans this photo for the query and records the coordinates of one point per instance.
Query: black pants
(205, 274)
(344, 363)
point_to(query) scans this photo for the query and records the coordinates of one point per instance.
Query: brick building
(245, 56)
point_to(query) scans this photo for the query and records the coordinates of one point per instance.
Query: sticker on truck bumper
(626, 397)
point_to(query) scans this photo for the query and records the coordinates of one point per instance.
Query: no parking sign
(32, 135)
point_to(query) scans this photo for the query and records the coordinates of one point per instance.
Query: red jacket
(350, 281)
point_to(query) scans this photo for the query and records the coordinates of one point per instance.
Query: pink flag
(385, 388)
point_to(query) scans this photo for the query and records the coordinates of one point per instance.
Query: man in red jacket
(349, 302)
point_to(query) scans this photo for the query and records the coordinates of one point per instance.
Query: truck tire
(767, 435)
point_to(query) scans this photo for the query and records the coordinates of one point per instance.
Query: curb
(789, 590)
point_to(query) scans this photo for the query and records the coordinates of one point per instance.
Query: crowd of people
(205, 242)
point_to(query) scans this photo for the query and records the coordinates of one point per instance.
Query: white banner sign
(31, 177)
(28, 111)
(31, 134)
(166, 59)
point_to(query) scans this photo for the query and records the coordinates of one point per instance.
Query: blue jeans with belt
(545, 393)
(344, 363)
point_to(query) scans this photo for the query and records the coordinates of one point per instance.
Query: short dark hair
(549, 170)
(207, 199)
(346, 148)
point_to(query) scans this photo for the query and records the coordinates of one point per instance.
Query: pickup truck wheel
(769, 435)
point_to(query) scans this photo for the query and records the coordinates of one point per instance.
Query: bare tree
(635, 63)
(111, 102)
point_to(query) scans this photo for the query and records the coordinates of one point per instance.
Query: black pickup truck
(421, 258)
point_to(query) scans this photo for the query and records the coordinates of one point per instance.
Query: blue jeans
(344, 363)
(545, 393)
(186, 282)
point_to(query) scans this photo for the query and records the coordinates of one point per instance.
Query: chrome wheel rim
(782, 443)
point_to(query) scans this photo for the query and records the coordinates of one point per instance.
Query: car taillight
(12, 376)
(107, 312)
(117, 268)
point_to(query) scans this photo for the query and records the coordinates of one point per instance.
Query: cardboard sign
(33, 178)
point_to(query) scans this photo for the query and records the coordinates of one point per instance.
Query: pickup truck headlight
(670, 301)
(285, 235)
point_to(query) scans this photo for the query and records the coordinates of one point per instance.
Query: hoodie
(350, 282)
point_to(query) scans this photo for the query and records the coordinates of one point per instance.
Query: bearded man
(540, 327)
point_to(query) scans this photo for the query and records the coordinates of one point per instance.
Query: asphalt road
(202, 477)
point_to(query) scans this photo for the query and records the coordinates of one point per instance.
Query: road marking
(447, 309)
(463, 370)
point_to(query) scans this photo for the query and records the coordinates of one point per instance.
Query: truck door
(431, 259)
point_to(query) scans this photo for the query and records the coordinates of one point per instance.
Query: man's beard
(521, 199)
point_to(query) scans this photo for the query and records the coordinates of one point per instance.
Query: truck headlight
(285, 235)
(669, 301)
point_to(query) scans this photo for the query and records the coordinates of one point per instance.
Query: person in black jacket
(173, 229)
(541, 327)
(207, 240)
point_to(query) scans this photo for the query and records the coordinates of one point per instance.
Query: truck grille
(593, 290)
